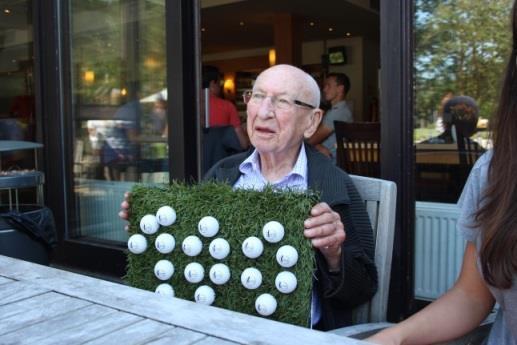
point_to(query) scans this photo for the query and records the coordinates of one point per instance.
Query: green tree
(461, 46)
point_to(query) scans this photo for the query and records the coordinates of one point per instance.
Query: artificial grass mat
(241, 213)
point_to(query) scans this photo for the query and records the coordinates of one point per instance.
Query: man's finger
(320, 231)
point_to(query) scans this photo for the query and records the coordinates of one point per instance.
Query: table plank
(137, 333)
(29, 311)
(212, 321)
(92, 329)
(17, 290)
(55, 327)
(4, 280)
(177, 336)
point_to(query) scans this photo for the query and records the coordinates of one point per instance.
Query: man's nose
(266, 108)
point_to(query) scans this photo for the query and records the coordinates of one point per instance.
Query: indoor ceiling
(249, 24)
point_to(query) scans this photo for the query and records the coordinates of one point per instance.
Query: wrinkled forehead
(280, 82)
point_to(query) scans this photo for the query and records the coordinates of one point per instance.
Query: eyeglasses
(278, 102)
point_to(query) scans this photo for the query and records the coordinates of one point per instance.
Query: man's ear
(314, 121)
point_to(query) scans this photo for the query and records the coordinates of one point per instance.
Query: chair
(380, 197)
(358, 147)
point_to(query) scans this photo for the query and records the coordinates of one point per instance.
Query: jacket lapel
(324, 179)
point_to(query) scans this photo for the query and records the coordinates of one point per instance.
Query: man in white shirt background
(335, 90)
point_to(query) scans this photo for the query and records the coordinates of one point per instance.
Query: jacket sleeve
(356, 282)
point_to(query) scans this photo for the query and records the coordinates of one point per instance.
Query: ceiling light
(348, 34)
(311, 23)
(331, 29)
(203, 29)
(7, 11)
(241, 23)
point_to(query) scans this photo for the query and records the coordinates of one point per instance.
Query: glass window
(119, 95)
(461, 47)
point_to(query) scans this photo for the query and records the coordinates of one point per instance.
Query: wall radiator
(438, 249)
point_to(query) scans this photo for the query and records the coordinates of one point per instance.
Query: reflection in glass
(460, 50)
(460, 53)
(119, 94)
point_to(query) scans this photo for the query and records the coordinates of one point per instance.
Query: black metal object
(397, 155)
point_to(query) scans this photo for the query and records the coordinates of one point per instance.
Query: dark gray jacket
(356, 283)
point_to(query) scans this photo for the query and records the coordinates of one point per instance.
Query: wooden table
(43, 305)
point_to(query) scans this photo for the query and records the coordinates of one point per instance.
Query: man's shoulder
(229, 163)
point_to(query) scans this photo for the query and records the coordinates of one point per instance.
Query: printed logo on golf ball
(204, 295)
(165, 243)
(149, 224)
(273, 232)
(194, 272)
(287, 256)
(137, 244)
(164, 269)
(192, 245)
(251, 278)
(219, 274)
(166, 215)
(265, 304)
(286, 282)
(219, 248)
(165, 290)
(208, 226)
(252, 247)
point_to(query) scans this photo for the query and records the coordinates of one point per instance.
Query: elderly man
(282, 112)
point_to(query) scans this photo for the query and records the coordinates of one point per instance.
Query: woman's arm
(454, 314)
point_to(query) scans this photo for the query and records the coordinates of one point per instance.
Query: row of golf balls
(219, 274)
(219, 248)
(208, 226)
(265, 304)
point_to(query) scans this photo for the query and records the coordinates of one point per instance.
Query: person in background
(222, 112)
(335, 90)
(282, 112)
(460, 118)
(488, 221)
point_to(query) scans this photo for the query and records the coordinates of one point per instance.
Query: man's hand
(124, 208)
(326, 232)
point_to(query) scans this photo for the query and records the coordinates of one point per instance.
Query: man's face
(279, 132)
(331, 90)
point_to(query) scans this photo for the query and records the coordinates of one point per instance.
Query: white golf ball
(166, 215)
(286, 256)
(165, 243)
(165, 290)
(286, 282)
(219, 274)
(149, 224)
(164, 269)
(251, 278)
(192, 245)
(204, 295)
(252, 247)
(194, 272)
(265, 304)
(137, 244)
(219, 248)
(208, 226)
(273, 232)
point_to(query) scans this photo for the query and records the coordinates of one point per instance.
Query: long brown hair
(498, 216)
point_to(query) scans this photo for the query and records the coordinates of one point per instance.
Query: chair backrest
(358, 147)
(380, 197)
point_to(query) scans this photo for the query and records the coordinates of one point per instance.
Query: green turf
(241, 214)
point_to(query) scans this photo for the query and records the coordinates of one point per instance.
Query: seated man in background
(282, 112)
(335, 89)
